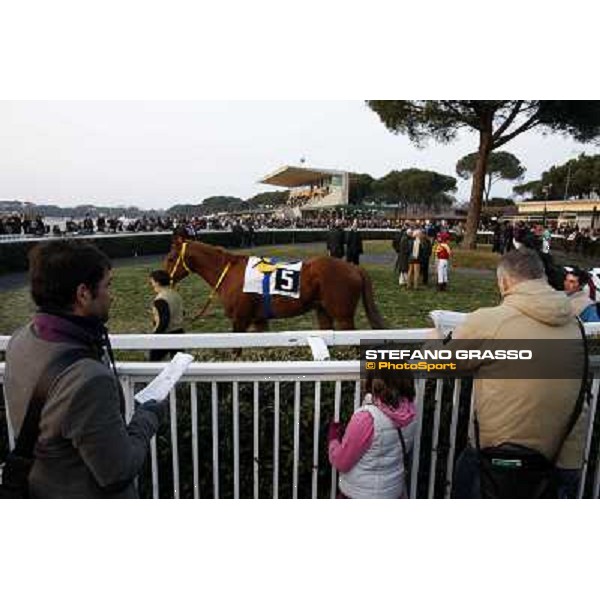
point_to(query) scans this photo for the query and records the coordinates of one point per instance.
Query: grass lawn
(472, 285)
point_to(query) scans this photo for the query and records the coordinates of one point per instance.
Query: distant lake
(52, 221)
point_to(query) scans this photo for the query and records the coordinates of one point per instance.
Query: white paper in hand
(447, 320)
(158, 389)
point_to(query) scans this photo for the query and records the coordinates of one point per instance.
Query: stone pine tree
(416, 188)
(500, 165)
(579, 177)
(361, 187)
(496, 122)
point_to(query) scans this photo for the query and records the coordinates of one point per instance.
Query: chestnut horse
(330, 286)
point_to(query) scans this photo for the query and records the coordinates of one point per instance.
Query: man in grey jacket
(84, 449)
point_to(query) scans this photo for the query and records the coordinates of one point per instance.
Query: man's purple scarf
(53, 327)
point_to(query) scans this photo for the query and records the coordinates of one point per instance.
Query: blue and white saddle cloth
(267, 276)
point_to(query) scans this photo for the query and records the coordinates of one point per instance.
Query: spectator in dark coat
(425, 257)
(354, 245)
(238, 235)
(88, 224)
(249, 234)
(508, 238)
(498, 238)
(402, 246)
(335, 240)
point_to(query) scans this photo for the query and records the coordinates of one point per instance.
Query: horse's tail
(375, 319)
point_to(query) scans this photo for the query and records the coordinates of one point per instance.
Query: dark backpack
(14, 478)
(511, 471)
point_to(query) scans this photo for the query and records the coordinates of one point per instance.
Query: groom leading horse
(329, 286)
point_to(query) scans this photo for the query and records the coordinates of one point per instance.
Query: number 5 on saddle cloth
(267, 277)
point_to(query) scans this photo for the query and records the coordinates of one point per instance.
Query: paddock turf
(472, 285)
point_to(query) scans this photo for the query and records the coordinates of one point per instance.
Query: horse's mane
(224, 254)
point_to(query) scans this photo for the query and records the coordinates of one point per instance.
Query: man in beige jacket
(530, 412)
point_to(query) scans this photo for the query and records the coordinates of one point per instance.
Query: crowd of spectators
(15, 224)
(271, 221)
(19, 224)
(568, 238)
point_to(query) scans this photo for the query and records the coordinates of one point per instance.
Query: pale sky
(156, 154)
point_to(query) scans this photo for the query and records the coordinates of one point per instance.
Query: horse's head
(175, 263)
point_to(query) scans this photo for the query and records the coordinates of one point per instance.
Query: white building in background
(311, 188)
(584, 213)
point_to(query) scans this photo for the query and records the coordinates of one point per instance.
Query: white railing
(275, 339)
(314, 374)
(305, 376)
(301, 374)
(316, 340)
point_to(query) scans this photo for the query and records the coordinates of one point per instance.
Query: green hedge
(13, 255)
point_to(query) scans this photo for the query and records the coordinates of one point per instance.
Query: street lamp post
(568, 180)
(546, 190)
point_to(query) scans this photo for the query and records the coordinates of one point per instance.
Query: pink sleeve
(356, 441)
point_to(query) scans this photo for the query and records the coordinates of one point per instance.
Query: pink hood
(401, 416)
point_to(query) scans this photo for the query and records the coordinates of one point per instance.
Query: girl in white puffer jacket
(369, 456)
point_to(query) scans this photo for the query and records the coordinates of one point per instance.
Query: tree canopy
(268, 199)
(500, 202)
(213, 204)
(222, 204)
(578, 177)
(497, 122)
(531, 188)
(361, 187)
(416, 188)
(501, 165)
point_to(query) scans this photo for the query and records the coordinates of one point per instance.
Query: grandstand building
(583, 213)
(311, 189)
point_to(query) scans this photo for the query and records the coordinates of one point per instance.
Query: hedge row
(13, 255)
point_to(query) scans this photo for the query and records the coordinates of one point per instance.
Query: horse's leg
(260, 326)
(346, 323)
(240, 325)
(323, 318)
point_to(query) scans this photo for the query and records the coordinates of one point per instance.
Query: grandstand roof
(296, 176)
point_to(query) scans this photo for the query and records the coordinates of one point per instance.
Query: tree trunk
(478, 186)
(488, 188)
